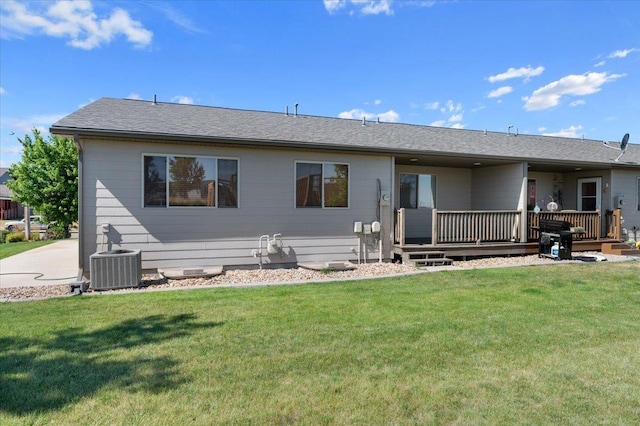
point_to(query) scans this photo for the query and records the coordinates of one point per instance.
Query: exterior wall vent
(115, 269)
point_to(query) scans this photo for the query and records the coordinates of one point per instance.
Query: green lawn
(556, 344)
(10, 249)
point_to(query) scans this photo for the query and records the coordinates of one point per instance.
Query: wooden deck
(464, 251)
(464, 234)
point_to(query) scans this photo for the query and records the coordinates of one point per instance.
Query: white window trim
(167, 156)
(435, 200)
(598, 197)
(295, 182)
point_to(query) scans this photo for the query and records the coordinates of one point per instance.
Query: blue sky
(557, 68)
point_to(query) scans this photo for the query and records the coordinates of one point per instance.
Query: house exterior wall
(570, 188)
(453, 192)
(498, 188)
(202, 236)
(625, 183)
(546, 186)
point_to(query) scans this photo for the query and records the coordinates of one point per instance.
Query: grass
(556, 344)
(11, 249)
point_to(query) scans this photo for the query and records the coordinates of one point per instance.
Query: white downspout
(76, 140)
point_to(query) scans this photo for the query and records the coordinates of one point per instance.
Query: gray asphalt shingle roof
(144, 118)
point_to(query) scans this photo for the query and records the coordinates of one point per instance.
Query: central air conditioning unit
(115, 269)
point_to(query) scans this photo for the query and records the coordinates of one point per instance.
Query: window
(417, 191)
(531, 191)
(155, 181)
(181, 181)
(322, 185)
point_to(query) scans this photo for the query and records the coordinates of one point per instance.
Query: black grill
(555, 231)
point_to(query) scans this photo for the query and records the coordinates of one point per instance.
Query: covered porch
(477, 206)
(502, 233)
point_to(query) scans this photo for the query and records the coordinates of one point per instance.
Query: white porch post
(522, 204)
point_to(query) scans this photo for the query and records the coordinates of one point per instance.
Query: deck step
(619, 249)
(426, 258)
(442, 261)
(425, 254)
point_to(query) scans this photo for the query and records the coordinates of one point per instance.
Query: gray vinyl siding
(497, 188)
(625, 182)
(546, 184)
(570, 188)
(453, 192)
(201, 236)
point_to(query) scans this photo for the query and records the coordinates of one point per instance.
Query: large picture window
(417, 191)
(182, 181)
(322, 185)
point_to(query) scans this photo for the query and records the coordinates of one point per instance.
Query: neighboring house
(197, 186)
(9, 209)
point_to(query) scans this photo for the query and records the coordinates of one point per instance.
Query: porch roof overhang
(477, 161)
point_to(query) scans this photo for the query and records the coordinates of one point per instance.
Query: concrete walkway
(55, 263)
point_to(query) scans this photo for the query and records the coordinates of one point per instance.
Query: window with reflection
(417, 191)
(155, 181)
(322, 185)
(192, 181)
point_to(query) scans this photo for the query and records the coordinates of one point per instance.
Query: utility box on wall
(618, 201)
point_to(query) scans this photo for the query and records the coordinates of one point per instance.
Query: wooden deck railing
(589, 221)
(613, 220)
(476, 226)
(451, 227)
(400, 227)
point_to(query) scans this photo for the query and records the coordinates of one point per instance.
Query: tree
(46, 179)
(186, 174)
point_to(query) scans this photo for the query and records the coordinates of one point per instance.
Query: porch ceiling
(468, 162)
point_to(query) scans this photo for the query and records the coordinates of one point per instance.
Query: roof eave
(275, 143)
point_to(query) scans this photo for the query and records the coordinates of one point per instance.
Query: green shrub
(15, 237)
(56, 232)
(3, 236)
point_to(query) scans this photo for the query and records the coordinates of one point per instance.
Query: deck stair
(426, 258)
(619, 249)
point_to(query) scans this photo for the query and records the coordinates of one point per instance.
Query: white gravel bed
(243, 277)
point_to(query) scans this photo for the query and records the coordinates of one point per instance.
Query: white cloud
(377, 102)
(577, 102)
(454, 112)
(571, 132)
(182, 100)
(358, 114)
(134, 95)
(390, 116)
(2, 91)
(600, 64)
(501, 91)
(75, 21)
(366, 7)
(623, 53)
(572, 85)
(177, 17)
(526, 72)
(451, 106)
(21, 126)
(432, 105)
(332, 6)
(542, 129)
(455, 118)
